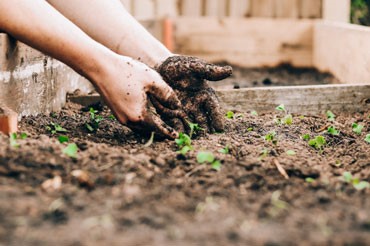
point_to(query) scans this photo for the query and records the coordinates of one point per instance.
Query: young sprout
(271, 137)
(356, 182)
(250, 129)
(264, 153)
(254, 113)
(63, 139)
(71, 150)
(330, 115)
(367, 138)
(287, 120)
(310, 180)
(150, 141)
(208, 157)
(318, 142)
(281, 108)
(333, 131)
(291, 152)
(225, 150)
(230, 115)
(306, 137)
(95, 119)
(112, 117)
(184, 143)
(55, 128)
(13, 139)
(194, 128)
(357, 128)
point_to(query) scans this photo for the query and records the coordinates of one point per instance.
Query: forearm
(110, 24)
(39, 25)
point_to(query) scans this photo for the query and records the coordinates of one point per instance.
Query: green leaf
(112, 117)
(291, 152)
(250, 129)
(264, 153)
(362, 185)
(63, 139)
(367, 138)
(254, 113)
(205, 157)
(216, 165)
(194, 128)
(310, 180)
(224, 150)
(185, 150)
(23, 136)
(183, 140)
(89, 127)
(54, 128)
(318, 142)
(333, 131)
(347, 177)
(271, 137)
(330, 115)
(288, 120)
(357, 128)
(13, 140)
(230, 115)
(306, 137)
(71, 150)
(281, 108)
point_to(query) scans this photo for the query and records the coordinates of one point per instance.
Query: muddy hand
(187, 76)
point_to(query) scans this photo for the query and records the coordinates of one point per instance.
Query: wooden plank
(191, 8)
(166, 8)
(303, 100)
(310, 9)
(239, 8)
(8, 120)
(144, 9)
(249, 42)
(335, 10)
(287, 8)
(344, 50)
(263, 8)
(215, 8)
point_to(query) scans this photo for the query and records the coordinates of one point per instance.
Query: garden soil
(119, 192)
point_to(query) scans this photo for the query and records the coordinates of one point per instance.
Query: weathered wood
(166, 8)
(215, 8)
(192, 8)
(8, 120)
(305, 100)
(335, 10)
(239, 8)
(144, 9)
(287, 8)
(310, 9)
(344, 50)
(247, 42)
(263, 8)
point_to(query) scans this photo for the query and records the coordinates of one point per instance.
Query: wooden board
(215, 8)
(239, 8)
(310, 9)
(246, 42)
(263, 8)
(143, 9)
(305, 100)
(191, 8)
(287, 8)
(166, 8)
(335, 10)
(344, 50)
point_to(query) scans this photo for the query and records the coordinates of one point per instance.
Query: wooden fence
(152, 9)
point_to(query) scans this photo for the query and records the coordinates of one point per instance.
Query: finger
(166, 112)
(216, 119)
(216, 73)
(164, 94)
(157, 125)
(178, 124)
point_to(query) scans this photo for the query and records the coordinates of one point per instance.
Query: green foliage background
(360, 12)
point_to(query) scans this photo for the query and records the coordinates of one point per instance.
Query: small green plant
(281, 108)
(333, 131)
(356, 182)
(310, 180)
(194, 129)
(271, 137)
(13, 137)
(254, 113)
(225, 150)
(367, 138)
(230, 115)
(112, 117)
(95, 120)
(306, 137)
(63, 139)
(250, 129)
(184, 143)
(357, 128)
(291, 152)
(330, 115)
(264, 153)
(208, 157)
(55, 128)
(287, 119)
(71, 150)
(318, 142)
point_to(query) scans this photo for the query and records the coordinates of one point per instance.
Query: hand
(125, 85)
(187, 76)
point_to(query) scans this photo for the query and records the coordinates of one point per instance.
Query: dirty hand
(187, 76)
(125, 87)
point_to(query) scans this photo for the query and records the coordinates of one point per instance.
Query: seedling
(71, 150)
(333, 131)
(194, 129)
(356, 182)
(310, 180)
(13, 139)
(112, 117)
(208, 157)
(254, 113)
(63, 139)
(264, 153)
(318, 142)
(95, 119)
(230, 115)
(184, 143)
(306, 137)
(250, 129)
(271, 137)
(281, 108)
(367, 138)
(357, 128)
(291, 152)
(225, 150)
(330, 115)
(150, 141)
(55, 128)
(288, 118)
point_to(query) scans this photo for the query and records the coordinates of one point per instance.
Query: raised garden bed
(284, 193)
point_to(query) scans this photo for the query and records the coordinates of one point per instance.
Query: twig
(280, 168)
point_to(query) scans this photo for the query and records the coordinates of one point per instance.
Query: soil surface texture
(117, 191)
(284, 75)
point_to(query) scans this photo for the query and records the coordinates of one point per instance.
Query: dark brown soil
(136, 195)
(284, 75)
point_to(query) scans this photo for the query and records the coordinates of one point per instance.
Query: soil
(283, 75)
(124, 193)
